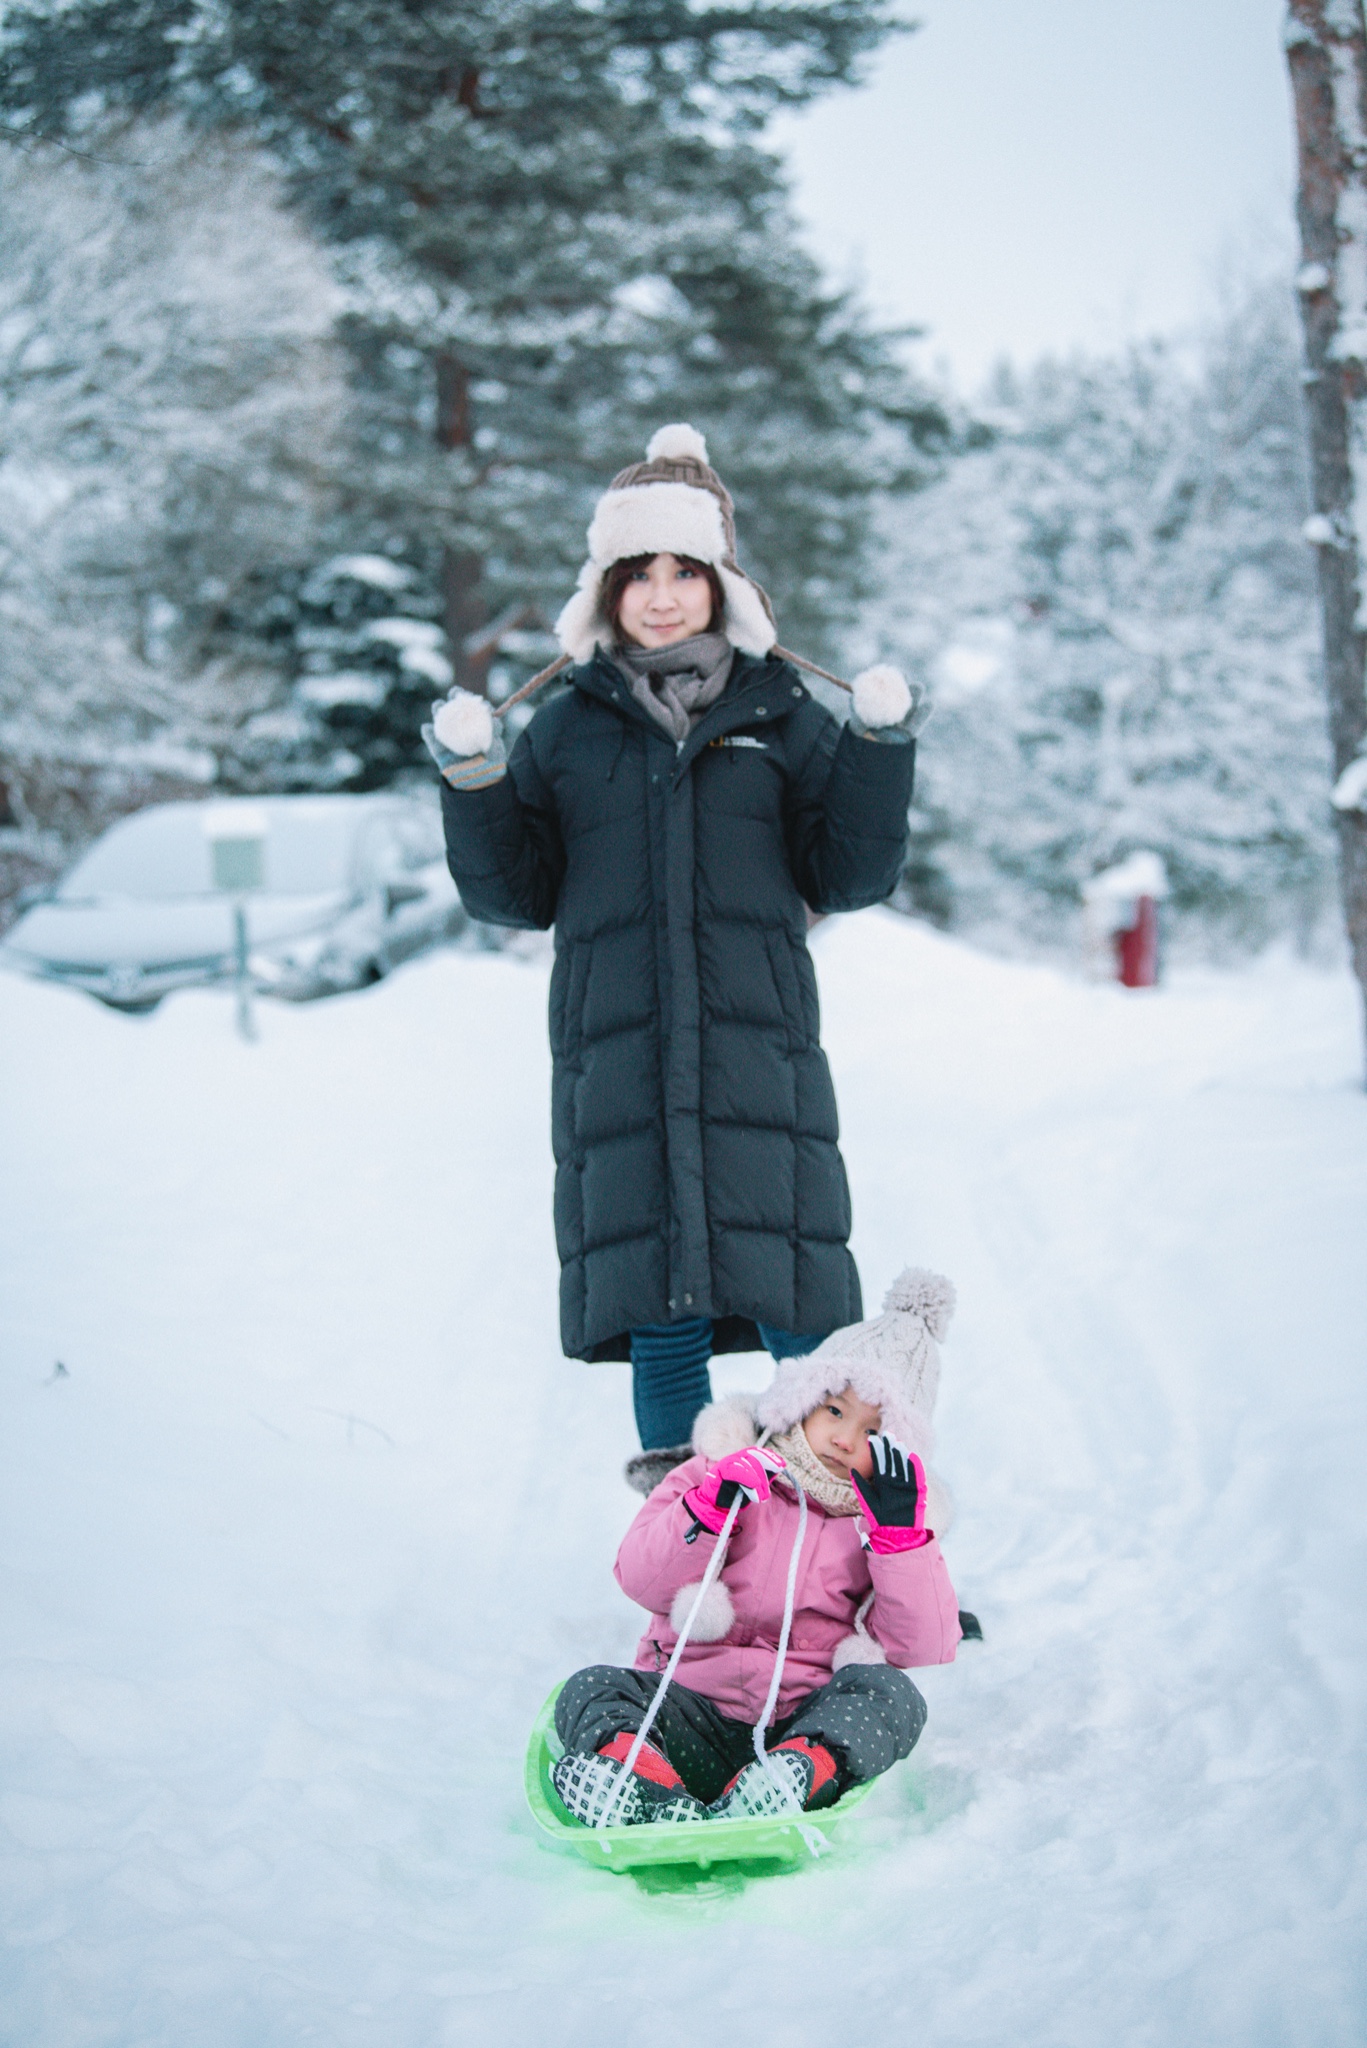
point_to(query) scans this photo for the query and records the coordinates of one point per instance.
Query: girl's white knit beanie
(672, 503)
(892, 1362)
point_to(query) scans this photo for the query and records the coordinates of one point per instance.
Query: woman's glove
(465, 741)
(894, 1497)
(887, 706)
(744, 1472)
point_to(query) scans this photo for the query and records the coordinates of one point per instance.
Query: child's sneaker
(805, 1766)
(590, 1786)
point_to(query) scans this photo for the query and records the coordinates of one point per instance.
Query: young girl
(848, 1427)
(674, 814)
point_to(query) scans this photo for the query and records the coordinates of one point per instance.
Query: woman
(674, 814)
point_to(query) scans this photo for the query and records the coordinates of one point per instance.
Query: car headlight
(291, 957)
(315, 956)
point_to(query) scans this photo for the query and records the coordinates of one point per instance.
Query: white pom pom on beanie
(892, 1361)
(679, 443)
(918, 1292)
(882, 695)
(465, 724)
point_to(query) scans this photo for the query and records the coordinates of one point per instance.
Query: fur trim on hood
(726, 1426)
(672, 503)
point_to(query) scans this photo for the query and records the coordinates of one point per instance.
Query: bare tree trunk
(1326, 47)
(462, 572)
(462, 587)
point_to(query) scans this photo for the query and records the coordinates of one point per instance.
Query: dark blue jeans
(670, 1381)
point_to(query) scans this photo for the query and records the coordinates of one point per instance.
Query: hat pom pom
(465, 724)
(676, 444)
(716, 1615)
(882, 696)
(930, 1296)
(857, 1649)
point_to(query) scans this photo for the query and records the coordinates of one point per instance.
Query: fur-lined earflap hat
(673, 503)
(892, 1362)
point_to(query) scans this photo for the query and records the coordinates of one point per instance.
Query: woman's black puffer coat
(693, 1118)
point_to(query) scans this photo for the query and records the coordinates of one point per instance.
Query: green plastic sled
(702, 1843)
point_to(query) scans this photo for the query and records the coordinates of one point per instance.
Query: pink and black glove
(744, 1472)
(894, 1497)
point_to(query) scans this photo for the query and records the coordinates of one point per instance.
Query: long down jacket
(693, 1119)
(914, 1618)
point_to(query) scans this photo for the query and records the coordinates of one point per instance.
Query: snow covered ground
(316, 1514)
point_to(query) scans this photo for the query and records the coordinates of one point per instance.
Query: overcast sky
(1026, 175)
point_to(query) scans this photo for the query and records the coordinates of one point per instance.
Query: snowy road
(316, 1514)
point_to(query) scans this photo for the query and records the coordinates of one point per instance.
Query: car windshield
(164, 852)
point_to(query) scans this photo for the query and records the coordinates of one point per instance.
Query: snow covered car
(352, 885)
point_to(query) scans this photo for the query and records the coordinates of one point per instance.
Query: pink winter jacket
(914, 1618)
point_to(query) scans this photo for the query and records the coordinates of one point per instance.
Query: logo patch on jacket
(740, 739)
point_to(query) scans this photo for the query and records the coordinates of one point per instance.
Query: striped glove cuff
(468, 771)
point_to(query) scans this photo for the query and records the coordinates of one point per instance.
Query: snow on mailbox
(1122, 919)
(237, 834)
(237, 845)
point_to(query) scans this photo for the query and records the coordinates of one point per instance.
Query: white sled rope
(816, 1842)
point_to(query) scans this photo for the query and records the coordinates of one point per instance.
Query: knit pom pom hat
(673, 503)
(892, 1362)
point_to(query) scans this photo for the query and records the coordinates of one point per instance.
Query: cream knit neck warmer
(837, 1496)
(677, 684)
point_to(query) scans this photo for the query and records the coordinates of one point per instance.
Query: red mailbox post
(1136, 946)
(1122, 919)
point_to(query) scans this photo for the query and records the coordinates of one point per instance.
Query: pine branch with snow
(1115, 605)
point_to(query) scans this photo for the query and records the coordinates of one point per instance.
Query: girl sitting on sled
(839, 1479)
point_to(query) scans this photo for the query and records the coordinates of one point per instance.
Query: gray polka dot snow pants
(869, 1716)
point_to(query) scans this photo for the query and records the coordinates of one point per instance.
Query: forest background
(321, 329)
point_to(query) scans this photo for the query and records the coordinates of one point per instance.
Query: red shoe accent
(652, 1764)
(822, 1763)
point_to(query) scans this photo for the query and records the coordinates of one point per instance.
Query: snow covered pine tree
(557, 229)
(169, 392)
(1116, 602)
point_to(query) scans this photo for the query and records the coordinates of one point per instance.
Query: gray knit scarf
(677, 684)
(837, 1496)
